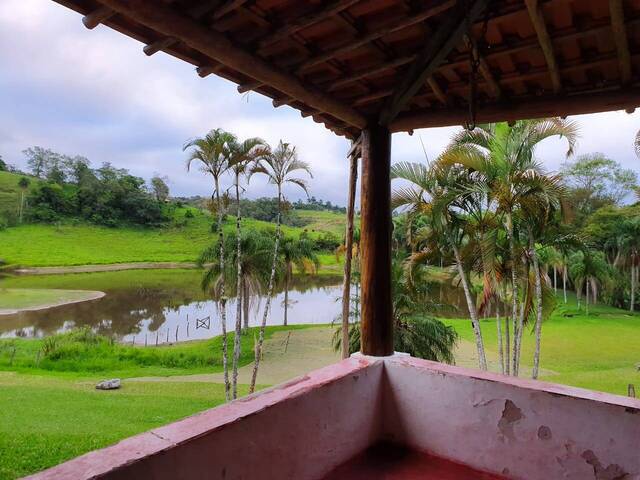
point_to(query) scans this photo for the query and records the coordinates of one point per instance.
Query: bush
(327, 241)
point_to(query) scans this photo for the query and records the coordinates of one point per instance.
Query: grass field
(20, 298)
(50, 411)
(84, 244)
(598, 352)
(10, 193)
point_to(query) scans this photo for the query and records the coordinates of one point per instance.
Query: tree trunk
(267, 305)
(514, 289)
(482, 359)
(633, 284)
(555, 278)
(21, 204)
(238, 331)
(587, 299)
(286, 296)
(223, 300)
(564, 282)
(499, 333)
(245, 304)
(538, 327)
(346, 281)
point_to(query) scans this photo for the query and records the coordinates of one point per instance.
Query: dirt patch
(307, 350)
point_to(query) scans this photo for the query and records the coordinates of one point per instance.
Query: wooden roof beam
(95, 18)
(198, 12)
(304, 21)
(551, 106)
(620, 37)
(535, 14)
(216, 46)
(449, 34)
(438, 91)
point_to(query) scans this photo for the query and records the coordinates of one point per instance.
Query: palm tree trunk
(633, 284)
(286, 297)
(538, 327)
(272, 276)
(564, 282)
(223, 300)
(555, 278)
(21, 204)
(346, 280)
(238, 331)
(514, 290)
(587, 299)
(499, 332)
(482, 359)
(245, 304)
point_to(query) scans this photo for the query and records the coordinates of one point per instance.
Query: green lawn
(45, 420)
(598, 352)
(10, 193)
(324, 221)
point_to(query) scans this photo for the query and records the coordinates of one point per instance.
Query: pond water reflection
(160, 306)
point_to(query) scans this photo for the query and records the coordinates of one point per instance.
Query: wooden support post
(354, 154)
(375, 242)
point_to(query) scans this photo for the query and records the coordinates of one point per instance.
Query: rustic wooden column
(375, 242)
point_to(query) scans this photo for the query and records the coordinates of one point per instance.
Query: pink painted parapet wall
(303, 429)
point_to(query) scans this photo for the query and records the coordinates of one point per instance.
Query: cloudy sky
(95, 93)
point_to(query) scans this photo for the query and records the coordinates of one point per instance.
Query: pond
(160, 306)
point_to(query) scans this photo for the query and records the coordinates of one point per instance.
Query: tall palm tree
(211, 152)
(298, 252)
(23, 183)
(279, 165)
(433, 193)
(588, 269)
(242, 154)
(504, 156)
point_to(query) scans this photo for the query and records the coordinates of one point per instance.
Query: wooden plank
(483, 67)
(620, 37)
(449, 34)
(217, 47)
(553, 106)
(437, 91)
(375, 243)
(535, 14)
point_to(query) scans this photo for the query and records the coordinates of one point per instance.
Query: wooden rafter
(440, 45)
(516, 110)
(438, 91)
(196, 13)
(95, 18)
(216, 46)
(352, 44)
(540, 26)
(620, 37)
(302, 22)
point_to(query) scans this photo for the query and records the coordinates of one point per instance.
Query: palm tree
(415, 331)
(23, 183)
(630, 240)
(241, 156)
(278, 165)
(434, 193)
(300, 253)
(588, 269)
(212, 154)
(504, 156)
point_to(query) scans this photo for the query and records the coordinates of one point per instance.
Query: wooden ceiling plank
(303, 22)
(540, 26)
(216, 46)
(620, 37)
(449, 34)
(228, 7)
(438, 91)
(379, 32)
(528, 108)
(95, 18)
(483, 67)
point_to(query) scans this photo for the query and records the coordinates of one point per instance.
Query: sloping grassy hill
(83, 244)
(323, 221)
